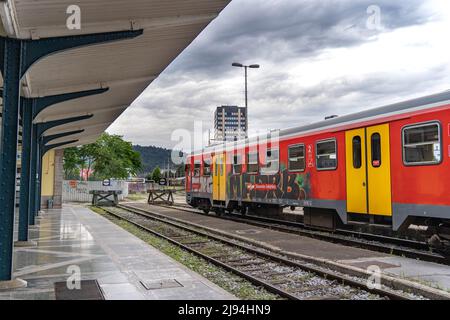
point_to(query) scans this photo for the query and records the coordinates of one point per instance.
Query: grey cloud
(275, 30)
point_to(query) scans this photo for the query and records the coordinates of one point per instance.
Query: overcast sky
(318, 58)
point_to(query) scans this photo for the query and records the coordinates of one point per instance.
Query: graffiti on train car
(202, 184)
(282, 185)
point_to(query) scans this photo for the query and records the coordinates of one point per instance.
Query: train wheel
(206, 211)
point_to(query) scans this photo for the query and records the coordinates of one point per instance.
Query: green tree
(156, 175)
(109, 157)
(72, 163)
(88, 154)
(115, 158)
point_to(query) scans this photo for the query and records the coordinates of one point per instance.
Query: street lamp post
(252, 66)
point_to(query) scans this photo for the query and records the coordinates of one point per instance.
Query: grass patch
(237, 286)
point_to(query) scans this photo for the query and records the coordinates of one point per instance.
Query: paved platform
(427, 273)
(76, 236)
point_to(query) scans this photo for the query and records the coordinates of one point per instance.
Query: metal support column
(27, 139)
(30, 109)
(11, 70)
(42, 150)
(38, 105)
(38, 194)
(41, 128)
(33, 177)
(16, 57)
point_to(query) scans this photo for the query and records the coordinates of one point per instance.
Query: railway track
(287, 278)
(391, 245)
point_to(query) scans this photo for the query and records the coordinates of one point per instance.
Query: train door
(355, 141)
(379, 170)
(219, 178)
(369, 171)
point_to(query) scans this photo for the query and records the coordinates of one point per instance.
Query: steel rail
(408, 249)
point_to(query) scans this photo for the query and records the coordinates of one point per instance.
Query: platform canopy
(125, 67)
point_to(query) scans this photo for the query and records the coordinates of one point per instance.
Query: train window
(252, 163)
(326, 155)
(357, 152)
(296, 155)
(422, 144)
(197, 166)
(272, 162)
(237, 164)
(376, 150)
(207, 167)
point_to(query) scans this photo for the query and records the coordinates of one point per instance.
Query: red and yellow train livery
(387, 166)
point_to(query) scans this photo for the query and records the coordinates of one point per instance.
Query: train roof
(388, 110)
(372, 114)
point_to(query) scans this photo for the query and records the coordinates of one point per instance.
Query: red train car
(387, 166)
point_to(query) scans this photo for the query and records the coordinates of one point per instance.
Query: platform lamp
(252, 66)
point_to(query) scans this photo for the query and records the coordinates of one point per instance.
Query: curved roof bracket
(47, 139)
(46, 149)
(40, 104)
(34, 50)
(42, 127)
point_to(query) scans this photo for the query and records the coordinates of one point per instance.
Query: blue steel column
(27, 123)
(16, 57)
(43, 149)
(39, 176)
(35, 106)
(33, 176)
(8, 155)
(41, 128)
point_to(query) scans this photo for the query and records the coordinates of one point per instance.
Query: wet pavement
(75, 238)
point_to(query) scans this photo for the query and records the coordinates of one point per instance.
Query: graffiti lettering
(279, 186)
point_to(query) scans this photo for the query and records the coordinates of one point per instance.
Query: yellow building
(52, 174)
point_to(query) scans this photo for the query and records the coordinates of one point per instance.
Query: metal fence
(78, 191)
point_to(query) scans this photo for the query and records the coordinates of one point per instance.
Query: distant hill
(154, 156)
